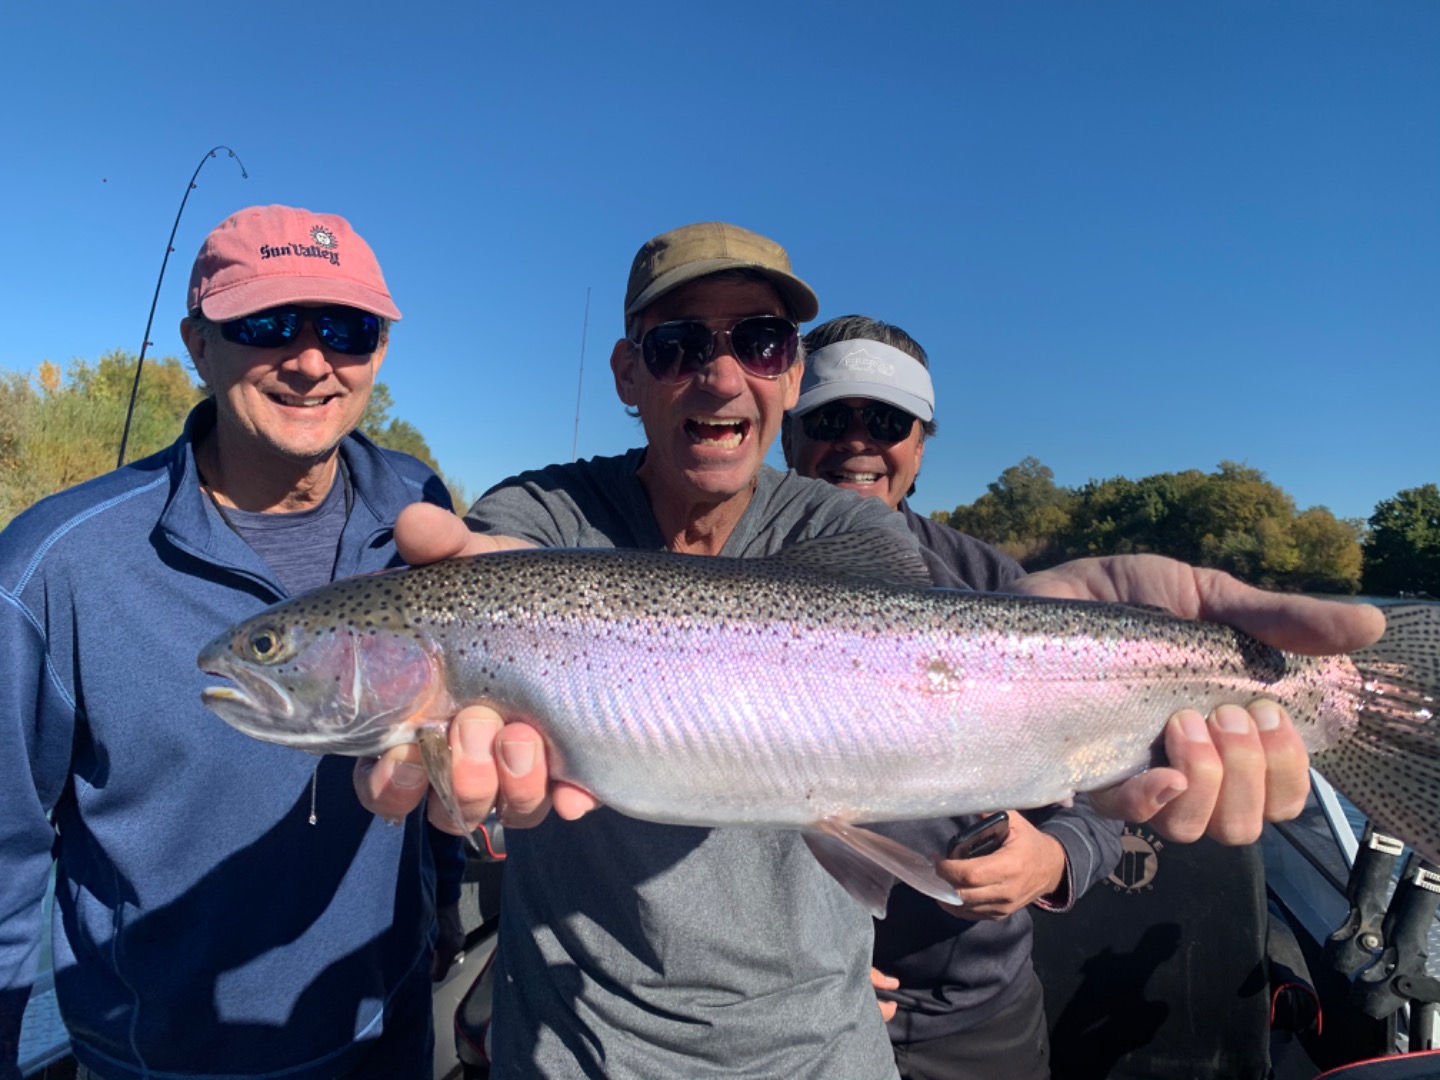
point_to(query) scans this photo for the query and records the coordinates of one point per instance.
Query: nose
(308, 356)
(856, 434)
(722, 376)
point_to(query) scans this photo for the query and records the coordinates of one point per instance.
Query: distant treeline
(1233, 519)
(59, 427)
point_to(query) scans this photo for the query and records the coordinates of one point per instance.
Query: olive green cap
(695, 251)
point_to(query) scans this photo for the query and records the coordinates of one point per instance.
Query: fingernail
(407, 775)
(1266, 714)
(518, 756)
(477, 737)
(1192, 725)
(1232, 718)
(1168, 794)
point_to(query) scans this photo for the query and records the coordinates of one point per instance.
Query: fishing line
(584, 333)
(169, 247)
(314, 780)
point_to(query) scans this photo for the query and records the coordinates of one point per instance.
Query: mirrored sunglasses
(765, 345)
(885, 423)
(345, 329)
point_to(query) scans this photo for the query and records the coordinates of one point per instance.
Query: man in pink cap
(223, 906)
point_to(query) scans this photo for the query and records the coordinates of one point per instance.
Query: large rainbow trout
(797, 691)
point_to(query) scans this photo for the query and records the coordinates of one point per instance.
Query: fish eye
(265, 643)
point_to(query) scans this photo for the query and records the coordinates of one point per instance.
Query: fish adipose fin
(867, 864)
(883, 556)
(1389, 764)
(435, 752)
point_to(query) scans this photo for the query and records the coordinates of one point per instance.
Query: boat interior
(1307, 954)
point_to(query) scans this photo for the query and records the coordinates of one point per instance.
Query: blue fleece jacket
(203, 926)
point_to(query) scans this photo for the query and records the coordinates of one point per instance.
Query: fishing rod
(584, 333)
(169, 247)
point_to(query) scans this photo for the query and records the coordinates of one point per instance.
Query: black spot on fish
(1264, 663)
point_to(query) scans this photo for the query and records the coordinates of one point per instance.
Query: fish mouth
(256, 705)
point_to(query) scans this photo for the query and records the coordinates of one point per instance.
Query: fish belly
(773, 724)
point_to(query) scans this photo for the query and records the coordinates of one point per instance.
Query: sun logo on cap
(322, 236)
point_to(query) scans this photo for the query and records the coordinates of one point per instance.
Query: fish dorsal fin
(878, 555)
(867, 864)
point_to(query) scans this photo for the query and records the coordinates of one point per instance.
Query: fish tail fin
(1389, 763)
(866, 864)
(435, 752)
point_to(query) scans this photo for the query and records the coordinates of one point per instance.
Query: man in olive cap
(633, 949)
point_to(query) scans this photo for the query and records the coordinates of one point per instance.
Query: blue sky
(1134, 236)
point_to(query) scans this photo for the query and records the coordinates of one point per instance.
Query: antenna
(584, 332)
(169, 247)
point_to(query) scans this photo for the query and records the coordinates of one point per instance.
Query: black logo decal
(1139, 860)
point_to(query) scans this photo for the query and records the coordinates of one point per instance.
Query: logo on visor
(861, 360)
(322, 236)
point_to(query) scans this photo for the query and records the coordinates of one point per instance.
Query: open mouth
(722, 432)
(297, 401)
(254, 696)
(253, 700)
(847, 476)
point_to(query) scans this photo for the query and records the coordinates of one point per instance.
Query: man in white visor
(956, 984)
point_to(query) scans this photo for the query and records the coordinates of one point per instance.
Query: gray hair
(734, 275)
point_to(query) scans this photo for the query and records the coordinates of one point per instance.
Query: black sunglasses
(345, 329)
(886, 423)
(765, 345)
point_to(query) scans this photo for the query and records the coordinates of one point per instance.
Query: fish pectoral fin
(866, 864)
(435, 752)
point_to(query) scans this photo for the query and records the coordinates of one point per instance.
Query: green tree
(19, 401)
(1329, 551)
(1242, 521)
(393, 434)
(1120, 516)
(1233, 519)
(1024, 513)
(58, 431)
(1402, 552)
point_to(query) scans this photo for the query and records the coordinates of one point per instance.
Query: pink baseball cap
(269, 255)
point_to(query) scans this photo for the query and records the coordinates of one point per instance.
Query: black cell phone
(982, 838)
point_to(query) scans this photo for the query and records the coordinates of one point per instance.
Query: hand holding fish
(425, 533)
(1029, 865)
(1241, 767)
(393, 784)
